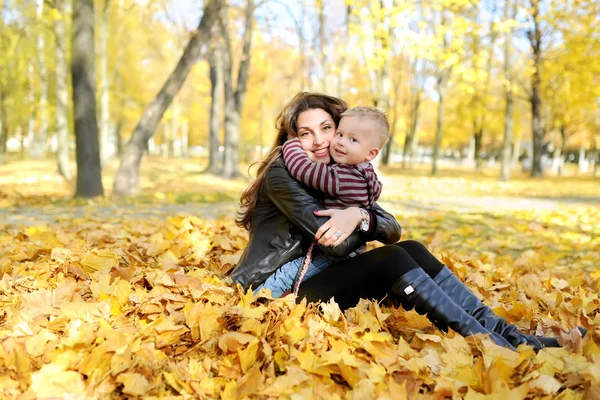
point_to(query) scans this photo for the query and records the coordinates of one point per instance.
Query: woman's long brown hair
(286, 125)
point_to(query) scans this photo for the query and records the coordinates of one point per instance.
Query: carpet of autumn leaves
(119, 307)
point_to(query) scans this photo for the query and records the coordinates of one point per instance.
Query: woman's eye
(326, 127)
(303, 133)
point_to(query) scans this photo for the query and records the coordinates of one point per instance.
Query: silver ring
(337, 234)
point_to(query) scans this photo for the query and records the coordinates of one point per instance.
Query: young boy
(351, 181)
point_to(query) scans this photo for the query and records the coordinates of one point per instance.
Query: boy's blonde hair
(381, 125)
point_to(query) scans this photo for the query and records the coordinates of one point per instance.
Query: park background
(127, 132)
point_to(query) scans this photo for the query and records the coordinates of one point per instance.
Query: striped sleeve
(316, 175)
(354, 188)
(373, 184)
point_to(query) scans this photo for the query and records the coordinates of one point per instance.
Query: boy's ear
(372, 154)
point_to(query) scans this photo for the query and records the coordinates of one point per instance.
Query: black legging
(369, 275)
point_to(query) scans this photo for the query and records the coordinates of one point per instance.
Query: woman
(283, 216)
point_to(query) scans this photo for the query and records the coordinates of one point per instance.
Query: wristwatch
(366, 218)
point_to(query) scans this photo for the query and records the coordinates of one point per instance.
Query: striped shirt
(346, 185)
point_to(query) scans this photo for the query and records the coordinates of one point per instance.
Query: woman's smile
(322, 152)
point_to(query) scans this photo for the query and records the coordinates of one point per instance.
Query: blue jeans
(283, 279)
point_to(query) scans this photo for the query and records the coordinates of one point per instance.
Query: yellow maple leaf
(310, 362)
(232, 341)
(383, 352)
(284, 384)
(247, 356)
(177, 383)
(167, 260)
(331, 311)
(97, 260)
(133, 383)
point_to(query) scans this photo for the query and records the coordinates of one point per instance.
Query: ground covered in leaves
(121, 306)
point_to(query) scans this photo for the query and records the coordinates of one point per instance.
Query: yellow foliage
(149, 328)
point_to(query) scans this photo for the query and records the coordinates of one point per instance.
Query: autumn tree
(535, 35)
(127, 177)
(13, 76)
(83, 72)
(447, 28)
(38, 134)
(508, 92)
(569, 74)
(480, 45)
(62, 89)
(414, 86)
(216, 99)
(105, 80)
(234, 94)
(3, 83)
(373, 23)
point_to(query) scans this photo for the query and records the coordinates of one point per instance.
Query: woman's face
(316, 129)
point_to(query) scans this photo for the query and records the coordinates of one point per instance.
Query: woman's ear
(372, 154)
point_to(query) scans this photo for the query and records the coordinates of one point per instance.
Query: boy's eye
(353, 140)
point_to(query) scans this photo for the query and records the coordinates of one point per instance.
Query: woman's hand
(339, 226)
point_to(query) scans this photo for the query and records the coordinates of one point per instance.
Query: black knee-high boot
(415, 289)
(462, 296)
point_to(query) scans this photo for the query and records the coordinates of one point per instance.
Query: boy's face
(354, 142)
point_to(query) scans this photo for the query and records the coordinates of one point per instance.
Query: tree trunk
(536, 125)
(562, 150)
(232, 135)
(42, 136)
(535, 39)
(594, 142)
(508, 93)
(83, 72)
(386, 154)
(127, 177)
(583, 163)
(31, 143)
(439, 129)
(478, 138)
(184, 138)
(506, 144)
(216, 109)
(166, 135)
(38, 135)
(387, 149)
(480, 99)
(516, 153)
(174, 126)
(234, 99)
(62, 92)
(412, 129)
(105, 122)
(119, 137)
(3, 128)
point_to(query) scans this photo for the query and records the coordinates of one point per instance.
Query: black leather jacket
(283, 226)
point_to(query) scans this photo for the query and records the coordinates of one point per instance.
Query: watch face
(364, 226)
